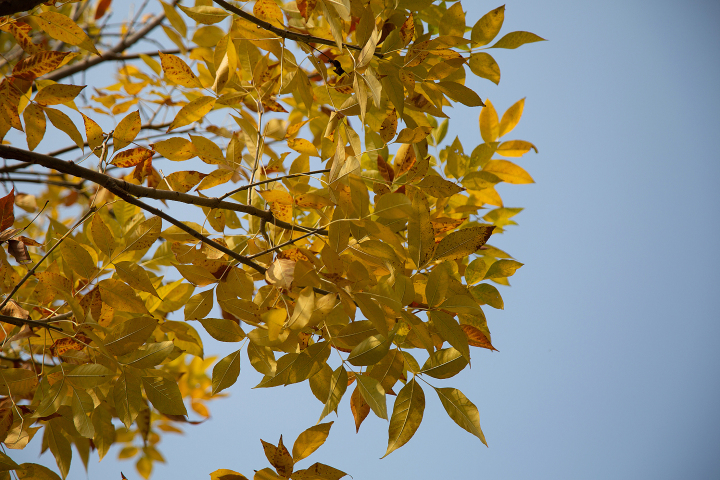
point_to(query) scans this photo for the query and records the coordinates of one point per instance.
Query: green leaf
(59, 446)
(449, 329)
(310, 440)
(149, 355)
(165, 395)
(129, 335)
(444, 363)
(393, 206)
(516, 39)
(373, 393)
(225, 372)
(128, 397)
(461, 410)
(503, 268)
(487, 28)
(421, 237)
(437, 285)
(82, 407)
(223, 329)
(462, 304)
(461, 93)
(369, 351)
(406, 417)
(304, 307)
(338, 385)
(439, 187)
(487, 294)
(89, 375)
(484, 65)
(262, 359)
(104, 430)
(7, 463)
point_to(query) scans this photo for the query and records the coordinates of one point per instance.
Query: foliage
(328, 228)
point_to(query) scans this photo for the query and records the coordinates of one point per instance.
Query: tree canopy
(341, 238)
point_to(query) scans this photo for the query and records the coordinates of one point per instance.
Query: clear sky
(608, 363)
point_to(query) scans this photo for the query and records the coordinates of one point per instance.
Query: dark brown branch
(240, 258)
(281, 32)
(278, 247)
(11, 7)
(19, 322)
(12, 168)
(75, 186)
(123, 45)
(113, 184)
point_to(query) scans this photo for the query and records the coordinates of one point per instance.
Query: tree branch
(281, 32)
(11, 7)
(112, 54)
(19, 322)
(113, 184)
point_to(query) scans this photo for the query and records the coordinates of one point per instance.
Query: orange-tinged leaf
(477, 338)
(176, 149)
(442, 224)
(508, 172)
(407, 30)
(484, 65)
(487, 28)
(306, 7)
(303, 146)
(177, 71)
(511, 117)
(126, 130)
(61, 27)
(516, 39)
(94, 134)
(192, 112)
(22, 33)
(102, 8)
(35, 124)
(57, 94)
(359, 407)
(39, 64)
(63, 122)
(489, 124)
(7, 217)
(407, 415)
(404, 158)
(269, 11)
(132, 157)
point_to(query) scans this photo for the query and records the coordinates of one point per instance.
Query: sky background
(608, 362)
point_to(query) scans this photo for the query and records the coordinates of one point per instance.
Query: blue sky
(608, 362)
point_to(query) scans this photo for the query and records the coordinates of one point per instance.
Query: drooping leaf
(226, 372)
(461, 410)
(61, 27)
(516, 39)
(310, 440)
(165, 395)
(462, 242)
(407, 415)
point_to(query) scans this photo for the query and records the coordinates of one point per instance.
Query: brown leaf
(12, 309)
(7, 218)
(17, 249)
(477, 338)
(360, 408)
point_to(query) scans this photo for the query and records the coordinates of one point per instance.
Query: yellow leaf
(192, 112)
(57, 94)
(63, 122)
(439, 187)
(516, 39)
(135, 276)
(489, 125)
(508, 172)
(132, 157)
(34, 125)
(407, 31)
(218, 177)
(126, 131)
(461, 410)
(502, 269)
(487, 28)
(205, 14)
(22, 33)
(389, 126)
(269, 11)
(225, 372)
(413, 135)
(178, 72)
(310, 440)
(484, 65)
(225, 474)
(208, 36)
(175, 19)
(61, 27)
(511, 117)
(207, 150)
(176, 149)
(94, 134)
(303, 146)
(460, 93)
(102, 237)
(515, 148)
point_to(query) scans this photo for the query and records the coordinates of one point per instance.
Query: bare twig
(270, 180)
(277, 247)
(34, 267)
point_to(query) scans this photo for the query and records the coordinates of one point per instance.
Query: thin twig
(277, 247)
(270, 180)
(32, 270)
(281, 32)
